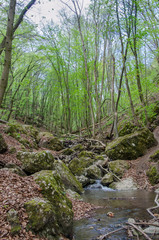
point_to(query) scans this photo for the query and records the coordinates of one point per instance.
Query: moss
(93, 172)
(68, 179)
(155, 157)
(119, 167)
(55, 194)
(131, 146)
(125, 128)
(3, 145)
(12, 217)
(86, 154)
(68, 151)
(14, 128)
(153, 175)
(99, 157)
(107, 179)
(78, 147)
(78, 166)
(47, 140)
(36, 161)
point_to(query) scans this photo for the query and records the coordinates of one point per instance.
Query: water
(124, 204)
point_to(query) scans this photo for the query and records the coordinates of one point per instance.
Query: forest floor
(16, 190)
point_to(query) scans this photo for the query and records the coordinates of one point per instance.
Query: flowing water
(124, 204)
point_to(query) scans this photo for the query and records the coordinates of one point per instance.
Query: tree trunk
(8, 50)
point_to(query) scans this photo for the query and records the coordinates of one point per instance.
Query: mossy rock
(36, 161)
(124, 184)
(32, 131)
(93, 172)
(78, 166)
(131, 146)
(17, 170)
(3, 145)
(86, 154)
(83, 180)
(119, 167)
(68, 179)
(99, 158)
(125, 128)
(53, 190)
(67, 151)
(107, 179)
(155, 157)
(78, 148)
(47, 140)
(13, 219)
(14, 128)
(153, 174)
(41, 215)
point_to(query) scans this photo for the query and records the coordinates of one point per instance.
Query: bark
(8, 50)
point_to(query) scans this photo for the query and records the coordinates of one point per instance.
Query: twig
(145, 235)
(110, 233)
(151, 208)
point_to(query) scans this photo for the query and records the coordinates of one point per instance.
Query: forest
(79, 120)
(84, 72)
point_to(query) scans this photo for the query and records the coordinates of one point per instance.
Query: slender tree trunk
(8, 50)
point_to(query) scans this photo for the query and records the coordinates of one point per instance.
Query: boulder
(68, 179)
(153, 173)
(47, 140)
(131, 146)
(152, 229)
(93, 172)
(125, 184)
(155, 157)
(83, 180)
(78, 165)
(125, 128)
(13, 219)
(119, 167)
(36, 161)
(67, 151)
(53, 190)
(78, 148)
(86, 154)
(3, 145)
(107, 179)
(15, 169)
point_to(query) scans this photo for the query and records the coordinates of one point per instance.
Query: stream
(124, 205)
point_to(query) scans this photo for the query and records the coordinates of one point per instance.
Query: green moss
(68, 151)
(3, 145)
(78, 147)
(15, 230)
(68, 179)
(78, 166)
(36, 161)
(130, 146)
(119, 167)
(153, 175)
(155, 157)
(99, 157)
(125, 128)
(86, 154)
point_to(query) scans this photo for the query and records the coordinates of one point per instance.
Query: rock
(107, 179)
(155, 157)
(67, 151)
(47, 140)
(13, 219)
(3, 145)
(131, 146)
(125, 128)
(73, 195)
(14, 128)
(83, 180)
(86, 154)
(15, 169)
(153, 174)
(68, 179)
(78, 148)
(78, 166)
(32, 131)
(36, 161)
(118, 167)
(131, 220)
(152, 229)
(93, 172)
(125, 184)
(53, 190)
(42, 218)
